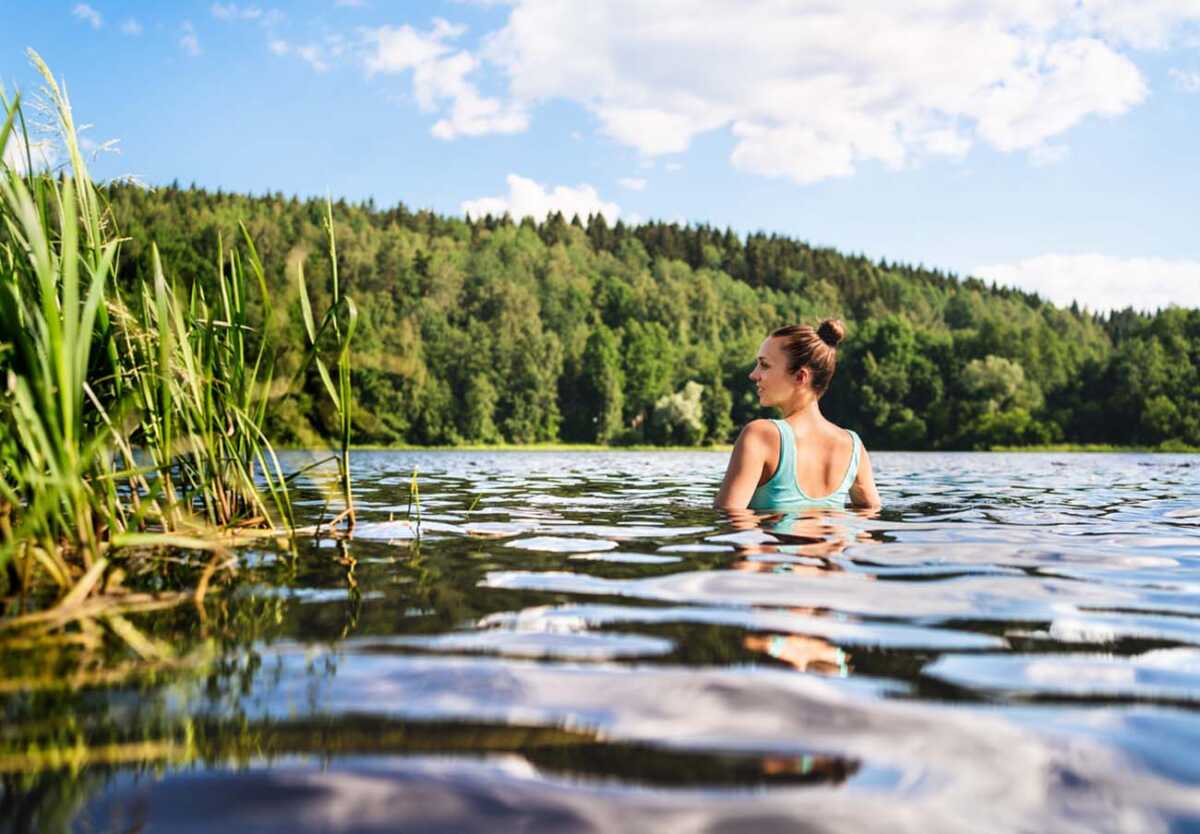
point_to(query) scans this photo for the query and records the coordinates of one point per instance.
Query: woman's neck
(803, 410)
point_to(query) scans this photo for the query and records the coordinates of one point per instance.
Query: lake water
(577, 642)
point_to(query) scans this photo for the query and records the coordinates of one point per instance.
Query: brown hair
(813, 349)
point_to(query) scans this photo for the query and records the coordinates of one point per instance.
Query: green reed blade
(9, 120)
(329, 387)
(305, 306)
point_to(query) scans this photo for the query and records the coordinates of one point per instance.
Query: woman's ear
(802, 376)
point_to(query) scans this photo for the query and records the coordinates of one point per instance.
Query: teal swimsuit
(782, 492)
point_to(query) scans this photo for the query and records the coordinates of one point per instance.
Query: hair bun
(832, 331)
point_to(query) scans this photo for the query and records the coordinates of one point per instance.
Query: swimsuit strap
(852, 470)
(786, 471)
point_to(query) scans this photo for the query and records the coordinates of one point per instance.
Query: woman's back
(813, 467)
(823, 457)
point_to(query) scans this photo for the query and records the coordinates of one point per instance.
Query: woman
(802, 460)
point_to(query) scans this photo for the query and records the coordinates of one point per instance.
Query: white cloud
(632, 183)
(1044, 155)
(440, 79)
(354, 4)
(44, 153)
(1073, 79)
(1102, 282)
(188, 40)
(527, 198)
(674, 166)
(312, 55)
(1189, 82)
(798, 152)
(232, 11)
(812, 89)
(398, 48)
(131, 27)
(1146, 24)
(655, 131)
(87, 14)
(318, 56)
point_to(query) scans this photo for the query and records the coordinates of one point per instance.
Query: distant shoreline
(1163, 449)
(1090, 448)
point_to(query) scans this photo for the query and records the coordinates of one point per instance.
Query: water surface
(576, 642)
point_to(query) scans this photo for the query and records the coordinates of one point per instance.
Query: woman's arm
(750, 455)
(863, 493)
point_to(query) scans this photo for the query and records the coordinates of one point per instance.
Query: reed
(131, 422)
(54, 267)
(335, 329)
(201, 390)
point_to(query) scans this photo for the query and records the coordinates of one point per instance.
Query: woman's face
(776, 385)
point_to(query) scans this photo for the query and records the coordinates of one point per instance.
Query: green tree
(678, 418)
(717, 406)
(647, 359)
(478, 411)
(997, 384)
(601, 385)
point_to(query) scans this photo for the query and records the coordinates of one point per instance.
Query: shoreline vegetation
(1166, 448)
(133, 455)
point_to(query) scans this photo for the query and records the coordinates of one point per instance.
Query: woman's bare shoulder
(760, 427)
(759, 434)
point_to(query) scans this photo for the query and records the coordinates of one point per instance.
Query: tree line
(486, 330)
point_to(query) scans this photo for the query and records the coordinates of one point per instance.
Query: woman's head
(797, 355)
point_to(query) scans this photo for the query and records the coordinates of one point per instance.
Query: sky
(1045, 144)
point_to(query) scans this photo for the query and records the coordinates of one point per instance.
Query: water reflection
(804, 654)
(577, 642)
(813, 539)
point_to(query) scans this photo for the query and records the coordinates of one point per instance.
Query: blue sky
(1049, 144)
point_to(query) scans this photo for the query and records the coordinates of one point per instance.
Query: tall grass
(333, 328)
(54, 268)
(136, 420)
(201, 390)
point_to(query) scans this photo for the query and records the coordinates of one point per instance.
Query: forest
(485, 330)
